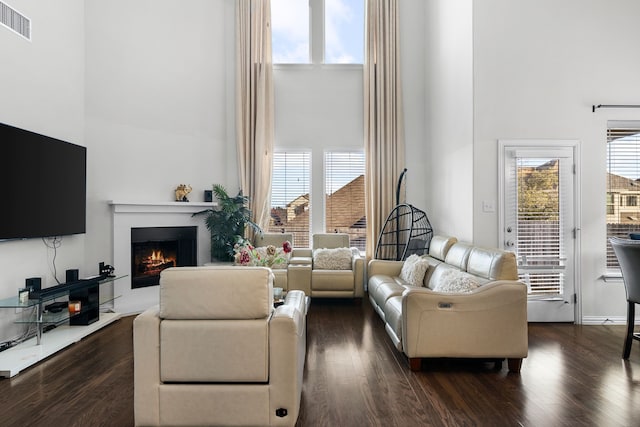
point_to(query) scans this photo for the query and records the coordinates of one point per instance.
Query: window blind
(344, 195)
(623, 182)
(290, 195)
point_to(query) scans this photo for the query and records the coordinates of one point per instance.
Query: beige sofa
(215, 352)
(488, 321)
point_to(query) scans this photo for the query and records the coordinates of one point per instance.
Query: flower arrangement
(246, 254)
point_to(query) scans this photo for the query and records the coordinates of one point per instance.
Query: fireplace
(154, 249)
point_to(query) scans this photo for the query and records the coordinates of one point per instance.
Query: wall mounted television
(44, 181)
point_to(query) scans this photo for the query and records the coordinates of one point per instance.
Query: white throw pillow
(332, 259)
(453, 281)
(414, 269)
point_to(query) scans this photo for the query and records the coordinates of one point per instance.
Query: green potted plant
(227, 222)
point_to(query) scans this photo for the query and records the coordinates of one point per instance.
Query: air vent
(15, 21)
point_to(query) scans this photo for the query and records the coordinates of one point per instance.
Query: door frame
(577, 196)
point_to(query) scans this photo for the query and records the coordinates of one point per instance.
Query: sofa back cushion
(492, 264)
(440, 245)
(275, 239)
(458, 255)
(216, 293)
(330, 240)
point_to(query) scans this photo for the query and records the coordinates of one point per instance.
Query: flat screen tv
(44, 183)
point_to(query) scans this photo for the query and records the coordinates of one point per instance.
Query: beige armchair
(330, 269)
(275, 239)
(215, 351)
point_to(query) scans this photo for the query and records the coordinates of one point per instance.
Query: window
(623, 182)
(340, 29)
(290, 31)
(344, 31)
(344, 195)
(290, 195)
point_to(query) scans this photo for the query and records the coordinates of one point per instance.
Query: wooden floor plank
(354, 376)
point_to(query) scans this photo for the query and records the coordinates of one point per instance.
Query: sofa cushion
(492, 264)
(453, 281)
(458, 255)
(413, 270)
(332, 259)
(440, 245)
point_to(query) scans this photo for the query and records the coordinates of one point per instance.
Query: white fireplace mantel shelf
(159, 207)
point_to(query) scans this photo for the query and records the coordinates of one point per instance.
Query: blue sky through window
(344, 31)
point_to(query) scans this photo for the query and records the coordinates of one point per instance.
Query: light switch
(488, 206)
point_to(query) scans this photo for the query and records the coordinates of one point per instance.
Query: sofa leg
(415, 363)
(514, 365)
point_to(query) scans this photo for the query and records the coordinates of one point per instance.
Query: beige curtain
(383, 127)
(254, 104)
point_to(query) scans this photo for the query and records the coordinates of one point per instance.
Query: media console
(63, 327)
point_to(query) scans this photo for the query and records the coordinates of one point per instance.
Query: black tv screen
(44, 183)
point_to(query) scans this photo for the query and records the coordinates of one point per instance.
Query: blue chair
(628, 253)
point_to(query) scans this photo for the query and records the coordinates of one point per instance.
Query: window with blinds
(344, 195)
(290, 195)
(623, 182)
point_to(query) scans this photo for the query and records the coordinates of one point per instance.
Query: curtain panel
(384, 123)
(255, 104)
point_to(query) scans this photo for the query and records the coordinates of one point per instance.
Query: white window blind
(539, 213)
(344, 195)
(623, 182)
(290, 195)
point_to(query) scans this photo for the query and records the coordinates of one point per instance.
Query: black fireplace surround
(154, 249)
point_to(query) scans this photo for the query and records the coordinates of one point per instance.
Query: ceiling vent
(15, 21)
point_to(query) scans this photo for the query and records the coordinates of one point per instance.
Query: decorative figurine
(181, 193)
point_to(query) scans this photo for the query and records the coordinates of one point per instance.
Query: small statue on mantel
(181, 193)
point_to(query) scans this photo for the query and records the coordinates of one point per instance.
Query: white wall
(320, 107)
(42, 91)
(539, 66)
(159, 105)
(449, 117)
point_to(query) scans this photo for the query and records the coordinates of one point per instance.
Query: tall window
(290, 195)
(340, 29)
(344, 31)
(344, 195)
(290, 31)
(623, 182)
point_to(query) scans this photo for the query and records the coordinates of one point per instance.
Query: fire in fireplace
(154, 249)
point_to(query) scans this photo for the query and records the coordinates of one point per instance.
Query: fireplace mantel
(160, 207)
(130, 214)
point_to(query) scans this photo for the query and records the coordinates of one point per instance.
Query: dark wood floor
(574, 376)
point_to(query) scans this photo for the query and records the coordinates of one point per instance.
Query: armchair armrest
(385, 267)
(146, 366)
(491, 321)
(287, 348)
(301, 253)
(357, 264)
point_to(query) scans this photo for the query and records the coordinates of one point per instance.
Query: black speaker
(208, 196)
(33, 284)
(72, 275)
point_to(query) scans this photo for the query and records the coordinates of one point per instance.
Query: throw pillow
(414, 269)
(453, 281)
(332, 259)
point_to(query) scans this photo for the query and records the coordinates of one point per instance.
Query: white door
(538, 223)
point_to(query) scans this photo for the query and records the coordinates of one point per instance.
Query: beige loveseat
(426, 320)
(216, 353)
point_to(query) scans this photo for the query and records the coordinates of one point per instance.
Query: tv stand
(55, 331)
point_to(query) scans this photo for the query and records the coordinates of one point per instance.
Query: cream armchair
(330, 269)
(275, 239)
(215, 351)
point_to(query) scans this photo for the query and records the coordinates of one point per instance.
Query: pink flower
(286, 246)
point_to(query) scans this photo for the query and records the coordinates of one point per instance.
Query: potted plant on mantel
(227, 222)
